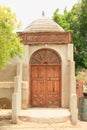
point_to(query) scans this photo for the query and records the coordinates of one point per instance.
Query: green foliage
(76, 21)
(82, 75)
(10, 45)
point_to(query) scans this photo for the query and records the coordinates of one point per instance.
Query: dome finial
(43, 14)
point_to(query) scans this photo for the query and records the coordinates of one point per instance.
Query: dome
(44, 24)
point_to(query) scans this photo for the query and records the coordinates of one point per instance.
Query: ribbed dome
(44, 24)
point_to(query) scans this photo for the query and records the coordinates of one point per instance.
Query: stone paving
(26, 125)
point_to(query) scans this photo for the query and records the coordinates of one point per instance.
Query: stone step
(45, 115)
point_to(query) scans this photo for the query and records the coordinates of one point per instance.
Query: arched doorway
(45, 78)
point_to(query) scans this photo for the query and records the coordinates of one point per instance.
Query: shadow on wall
(5, 103)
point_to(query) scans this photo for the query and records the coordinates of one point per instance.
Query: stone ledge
(10, 84)
(6, 84)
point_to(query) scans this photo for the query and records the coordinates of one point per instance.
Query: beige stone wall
(6, 92)
(7, 85)
(6, 97)
(8, 73)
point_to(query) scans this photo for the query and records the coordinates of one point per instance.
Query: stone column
(16, 98)
(72, 77)
(15, 109)
(17, 89)
(73, 96)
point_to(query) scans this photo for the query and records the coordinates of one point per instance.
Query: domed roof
(44, 24)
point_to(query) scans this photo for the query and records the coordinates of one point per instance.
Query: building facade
(47, 71)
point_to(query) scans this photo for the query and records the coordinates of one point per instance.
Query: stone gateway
(46, 75)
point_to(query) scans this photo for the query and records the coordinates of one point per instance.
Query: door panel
(53, 86)
(37, 83)
(45, 86)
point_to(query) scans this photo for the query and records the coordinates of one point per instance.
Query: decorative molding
(45, 57)
(45, 37)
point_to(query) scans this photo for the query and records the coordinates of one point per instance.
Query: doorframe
(30, 65)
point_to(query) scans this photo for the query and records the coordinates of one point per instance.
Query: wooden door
(45, 90)
(45, 78)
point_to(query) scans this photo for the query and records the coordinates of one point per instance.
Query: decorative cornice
(45, 37)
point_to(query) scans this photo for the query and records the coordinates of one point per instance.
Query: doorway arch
(45, 78)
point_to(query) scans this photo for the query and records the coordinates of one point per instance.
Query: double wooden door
(45, 86)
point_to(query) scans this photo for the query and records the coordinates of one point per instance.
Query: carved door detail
(45, 81)
(37, 83)
(53, 92)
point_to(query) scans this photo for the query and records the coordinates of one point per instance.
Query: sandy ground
(26, 125)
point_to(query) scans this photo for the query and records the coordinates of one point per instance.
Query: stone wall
(6, 85)
(8, 73)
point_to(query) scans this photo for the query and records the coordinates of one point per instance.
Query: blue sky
(29, 10)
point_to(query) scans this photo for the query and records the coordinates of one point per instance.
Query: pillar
(73, 96)
(16, 99)
(15, 110)
(17, 89)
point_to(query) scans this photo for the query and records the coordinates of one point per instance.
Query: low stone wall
(6, 91)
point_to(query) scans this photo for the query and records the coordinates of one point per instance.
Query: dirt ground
(26, 125)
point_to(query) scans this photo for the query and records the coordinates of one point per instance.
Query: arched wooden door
(45, 79)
